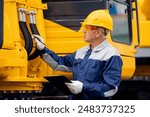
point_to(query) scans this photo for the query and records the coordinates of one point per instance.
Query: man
(97, 67)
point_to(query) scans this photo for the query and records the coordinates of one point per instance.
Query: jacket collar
(101, 46)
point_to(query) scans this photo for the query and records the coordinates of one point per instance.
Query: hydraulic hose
(36, 53)
(34, 30)
(25, 31)
(27, 37)
(1, 22)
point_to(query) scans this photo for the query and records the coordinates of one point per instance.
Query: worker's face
(91, 33)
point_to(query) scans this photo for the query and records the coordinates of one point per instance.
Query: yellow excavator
(22, 71)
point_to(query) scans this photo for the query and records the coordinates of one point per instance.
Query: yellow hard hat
(99, 18)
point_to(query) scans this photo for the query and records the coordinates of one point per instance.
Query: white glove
(75, 87)
(39, 42)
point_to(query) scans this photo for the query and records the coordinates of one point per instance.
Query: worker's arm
(51, 58)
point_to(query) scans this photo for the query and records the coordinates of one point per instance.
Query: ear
(99, 33)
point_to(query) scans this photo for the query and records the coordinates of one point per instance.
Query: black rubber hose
(34, 29)
(1, 22)
(36, 53)
(27, 37)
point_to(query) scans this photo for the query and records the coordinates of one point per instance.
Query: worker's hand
(75, 87)
(39, 42)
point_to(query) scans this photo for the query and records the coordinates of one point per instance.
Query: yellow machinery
(22, 71)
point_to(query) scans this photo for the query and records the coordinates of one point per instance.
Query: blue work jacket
(99, 69)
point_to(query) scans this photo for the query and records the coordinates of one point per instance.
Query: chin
(86, 40)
